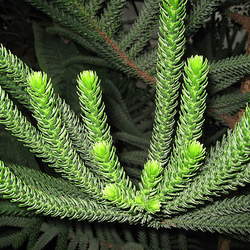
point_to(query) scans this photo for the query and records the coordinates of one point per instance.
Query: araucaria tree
(181, 184)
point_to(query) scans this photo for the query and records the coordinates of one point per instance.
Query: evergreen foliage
(84, 174)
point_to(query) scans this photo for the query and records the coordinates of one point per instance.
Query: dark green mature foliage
(106, 157)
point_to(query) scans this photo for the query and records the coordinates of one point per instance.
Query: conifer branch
(143, 27)
(226, 72)
(147, 61)
(12, 187)
(110, 20)
(14, 121)
(227, 206)
(93, 114)
(132, 68)
(55, 135)
(169, 66)
(147, 197)
(14, 82)
(94, 35)
(71, 36)
(188, 153)
(50, 184)
(94, 6)
(16, 221)
(225, 166)
(237, 224)
(200, 14)
(8, 208)
(224, 108)
(91, 60)
(103, 151)
(13, 76)
(180, 172)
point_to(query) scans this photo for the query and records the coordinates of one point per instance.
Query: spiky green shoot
(169, 65)
(186, 166)
(147, 196)
(101, 149)
(58, 144)
(183, 163)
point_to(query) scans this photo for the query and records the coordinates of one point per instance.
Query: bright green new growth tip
(89, 78)
(101, 151)
(194, 150)
(195, 63)
(38, 81)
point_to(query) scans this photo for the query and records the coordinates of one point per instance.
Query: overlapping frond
(92, 33)
(226, 72)
(222, 106)
(14, 82)
(8, 208)
(236, 224)
(200, 14)
(16, 239)
(110, 20)
(141, 31)
(56, 204)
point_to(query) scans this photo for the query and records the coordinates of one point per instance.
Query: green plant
(179, 184)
